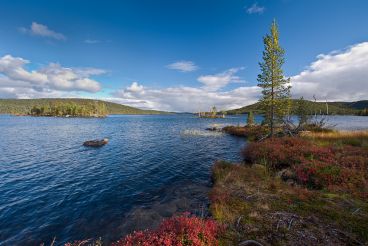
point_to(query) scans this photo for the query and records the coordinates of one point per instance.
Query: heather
(343, 168)
(251, 132)
(254, 204)
(184, 230)
(309, 189)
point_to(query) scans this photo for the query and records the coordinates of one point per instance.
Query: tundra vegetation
(299, 183)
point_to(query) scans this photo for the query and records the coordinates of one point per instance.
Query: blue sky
(180, 55)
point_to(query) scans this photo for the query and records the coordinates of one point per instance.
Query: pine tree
(275, 87)
(250, 119)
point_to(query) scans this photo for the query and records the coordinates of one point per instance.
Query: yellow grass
(336, 134)
(338, 138)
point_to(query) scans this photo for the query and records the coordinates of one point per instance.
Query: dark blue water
(153, 167)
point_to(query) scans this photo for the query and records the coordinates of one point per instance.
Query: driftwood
(250, 243)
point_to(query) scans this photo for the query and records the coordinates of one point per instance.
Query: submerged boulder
(96, 143)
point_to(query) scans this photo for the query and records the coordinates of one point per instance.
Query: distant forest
(320, 108)
(67, 107)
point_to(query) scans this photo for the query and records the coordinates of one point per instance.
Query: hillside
(24, 106)
(334, 108)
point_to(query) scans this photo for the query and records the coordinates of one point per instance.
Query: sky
(182, 55)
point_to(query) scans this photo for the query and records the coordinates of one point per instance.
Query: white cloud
(92, 41)
(255, 9)
(338, 76)
(135, 87)
(185, 99)
(37, 29)
(220, 80)
(52, 79)
(183, 66)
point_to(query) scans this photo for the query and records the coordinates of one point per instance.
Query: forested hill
(70, 106)
(334, 108)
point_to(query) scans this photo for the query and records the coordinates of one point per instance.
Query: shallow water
(152, 167)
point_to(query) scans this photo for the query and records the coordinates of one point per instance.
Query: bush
(316, 167)
(182, 230)
(277, 153)
(252, 132)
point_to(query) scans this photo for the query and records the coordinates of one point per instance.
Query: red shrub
(318, 174)
(344, 168)
(277, 153)
(253, 132)
(182, 230)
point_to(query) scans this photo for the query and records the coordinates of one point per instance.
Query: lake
(153, 167)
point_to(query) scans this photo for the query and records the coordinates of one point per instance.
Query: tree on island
(275, 87)
(250, 119)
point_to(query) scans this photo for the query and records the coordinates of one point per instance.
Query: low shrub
(277, 153)
(344, 168)
(315, 127)
(252, 132)
(181, 230)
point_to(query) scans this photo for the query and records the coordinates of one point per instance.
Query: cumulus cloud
(338, 76)
(184, 99)
(220, 80)
(255, 9)
(52, 80)
(183, 66)
(135, 88)
(41, 30)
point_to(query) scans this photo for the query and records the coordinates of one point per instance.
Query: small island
(212, 114)
(96, 109)
(68, 107)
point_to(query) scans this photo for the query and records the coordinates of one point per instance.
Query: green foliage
(69, 106)
(302, 111)
(363, 112)
(250, 119)
(275, 88)
(254, 132)
(334, 108)
(96, 109)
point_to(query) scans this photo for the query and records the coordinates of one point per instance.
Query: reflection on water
(202, 133)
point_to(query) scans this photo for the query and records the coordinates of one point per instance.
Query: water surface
(153, 167)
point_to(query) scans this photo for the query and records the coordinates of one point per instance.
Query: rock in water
(96, 143)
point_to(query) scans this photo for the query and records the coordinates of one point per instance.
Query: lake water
(152, 168)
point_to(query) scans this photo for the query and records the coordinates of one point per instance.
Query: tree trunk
(272, 100)
(272, 111)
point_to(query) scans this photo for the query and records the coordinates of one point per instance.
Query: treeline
(67, 106)
(96, 109)
(363, 112)
(319, 108)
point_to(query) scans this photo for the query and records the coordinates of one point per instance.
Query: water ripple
(153, 167)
